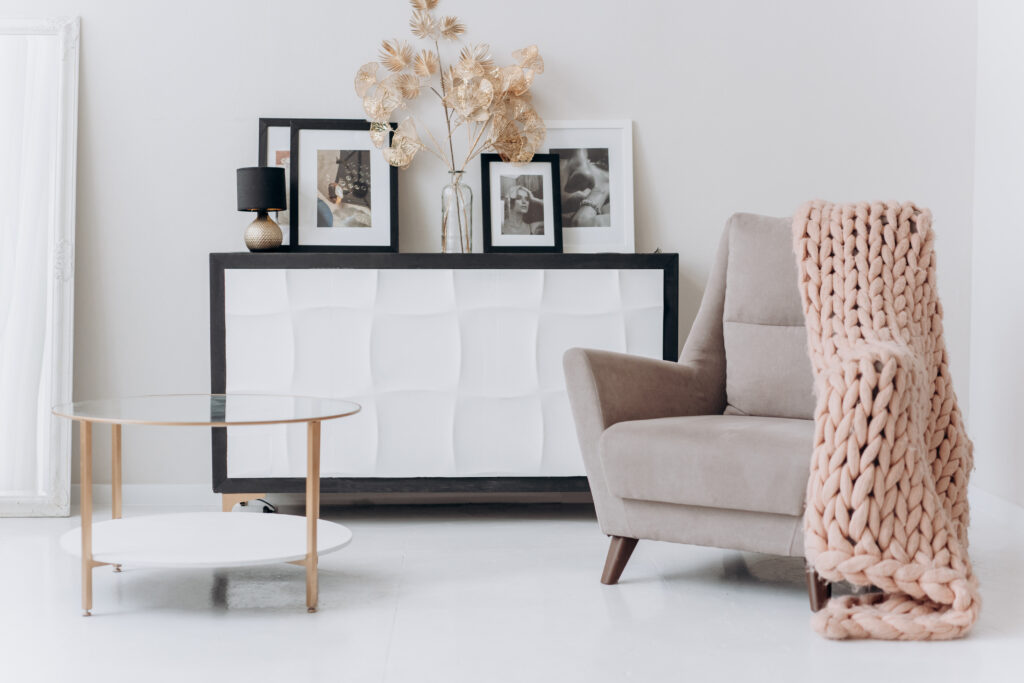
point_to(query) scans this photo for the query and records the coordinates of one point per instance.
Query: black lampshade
(261, 188)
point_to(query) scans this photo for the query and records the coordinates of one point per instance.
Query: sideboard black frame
(285, 258)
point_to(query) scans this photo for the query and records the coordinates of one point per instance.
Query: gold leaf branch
(492, 102)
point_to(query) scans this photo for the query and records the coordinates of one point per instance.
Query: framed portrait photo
(595, 160)
(275, 150)
(343, 195)
(521, 205)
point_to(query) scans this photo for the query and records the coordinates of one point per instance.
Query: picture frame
(343, 196)
(520, 205)
(275, 150)
(595, 160)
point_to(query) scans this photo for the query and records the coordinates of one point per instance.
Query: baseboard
(202, 495)
(186, 495)
(1001, 496)
(427, 498)
(993, 501)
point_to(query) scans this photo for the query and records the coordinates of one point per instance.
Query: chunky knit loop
(887, 496)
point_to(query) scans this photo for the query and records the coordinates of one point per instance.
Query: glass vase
(456, 215)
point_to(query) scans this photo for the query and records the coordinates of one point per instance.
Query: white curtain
(29, 92)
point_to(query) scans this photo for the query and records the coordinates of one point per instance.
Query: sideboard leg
(312, 512)
(229, 500)
(85, 436)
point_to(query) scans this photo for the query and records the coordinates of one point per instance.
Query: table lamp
(261, 189)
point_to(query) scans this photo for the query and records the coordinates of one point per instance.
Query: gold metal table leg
(312, 511)
(115, 469)
(85, 435)
(115, 474)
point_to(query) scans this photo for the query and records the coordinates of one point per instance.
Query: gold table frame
(310, 562)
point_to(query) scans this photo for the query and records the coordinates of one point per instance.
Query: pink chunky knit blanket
(887, 496)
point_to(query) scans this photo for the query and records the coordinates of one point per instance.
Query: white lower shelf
(205, 539)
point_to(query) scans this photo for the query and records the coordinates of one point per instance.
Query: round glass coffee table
(203, 539)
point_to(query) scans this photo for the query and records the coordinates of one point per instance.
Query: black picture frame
(221, 262)
(283, 218)
(265, 125)
(491, 245)
(295, 206)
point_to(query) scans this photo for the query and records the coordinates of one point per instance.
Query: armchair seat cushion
(736, 462)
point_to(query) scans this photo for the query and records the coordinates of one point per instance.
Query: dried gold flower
(395, 55)
(389, 87)
(515, 80)
(379, 133)
(505, 139)
(474, 60)
(366, 78)
(384, 101)
(517, 132)
(473, 90)
(529, 58)
(425, 64)
(408, 85)
(471, 99)
(452, 28)
(448, 79)
(404, 145)
(375, 109)
(407, 133)
(423, 25)
(397, 157)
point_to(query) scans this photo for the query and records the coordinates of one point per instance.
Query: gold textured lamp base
(263, 233)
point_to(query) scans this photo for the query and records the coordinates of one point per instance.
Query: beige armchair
(713, 450)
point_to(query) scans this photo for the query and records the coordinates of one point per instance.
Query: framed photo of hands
(595, 161)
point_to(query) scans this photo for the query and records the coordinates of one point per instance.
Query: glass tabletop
(210, 410)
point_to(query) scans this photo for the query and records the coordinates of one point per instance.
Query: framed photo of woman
(343, 195)
(595, 160)
(521, 205)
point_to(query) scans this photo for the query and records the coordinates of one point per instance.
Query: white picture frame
(615, 138)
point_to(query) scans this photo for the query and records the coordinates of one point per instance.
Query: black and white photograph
(344, 195)
(586, 187)
(521, 204)
(595, 160)
(524, 204)
(343, 188)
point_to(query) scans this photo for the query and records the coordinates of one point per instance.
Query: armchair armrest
(605, 388)
(613, 387)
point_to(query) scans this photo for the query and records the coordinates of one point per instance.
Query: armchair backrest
(750, 329)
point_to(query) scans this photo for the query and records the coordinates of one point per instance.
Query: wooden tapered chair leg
(618, 555)
(818, 589)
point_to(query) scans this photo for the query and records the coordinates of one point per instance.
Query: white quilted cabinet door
(459, 371)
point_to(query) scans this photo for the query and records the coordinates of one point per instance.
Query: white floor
(477, 593)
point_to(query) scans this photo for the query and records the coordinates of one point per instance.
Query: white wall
(997, 325)
(738, 106)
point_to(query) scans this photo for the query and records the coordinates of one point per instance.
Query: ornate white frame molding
(54, 500)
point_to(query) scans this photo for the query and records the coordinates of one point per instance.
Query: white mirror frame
(54, 444)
